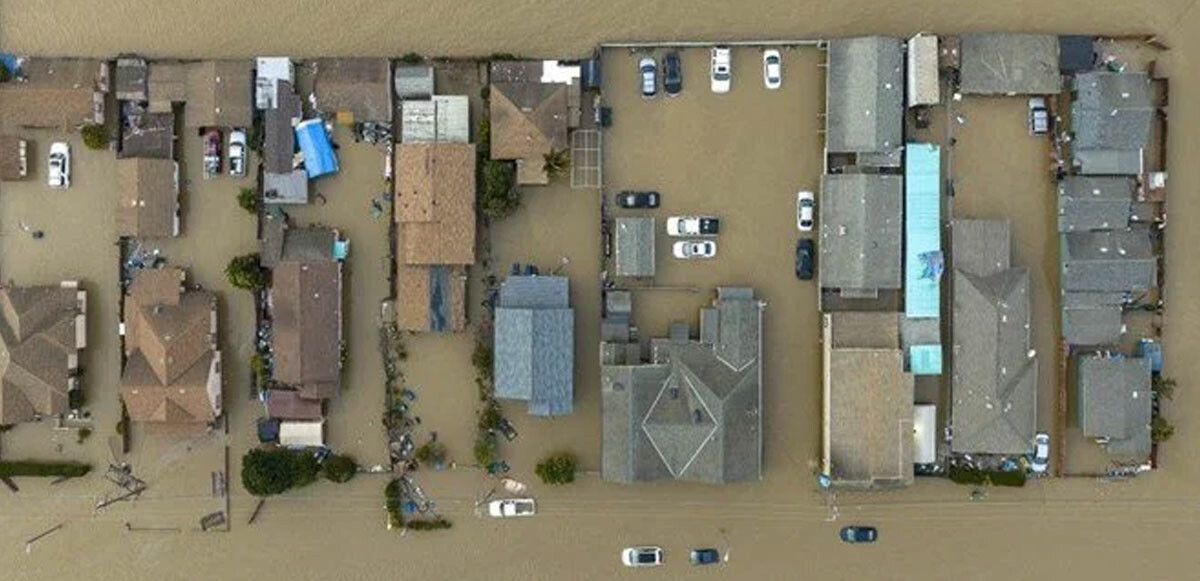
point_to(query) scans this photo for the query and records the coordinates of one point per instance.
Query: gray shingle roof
(634, 246)
(865, 94)
(1115, 402)
(534, 344)
(1094, 203)
(998, 64)
(860, 228)
(692, 414)
(1091, 325)
(980, 247)
(1112, 110)
(279, 135)
(1107, 261)
(413, 81)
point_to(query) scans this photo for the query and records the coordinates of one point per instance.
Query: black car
(705, 556)
(805, 258)
(859, 534)
(672, 74)
(631, 199)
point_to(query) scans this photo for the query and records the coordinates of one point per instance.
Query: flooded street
(741, 156)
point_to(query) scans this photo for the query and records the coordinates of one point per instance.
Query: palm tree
(556, 162)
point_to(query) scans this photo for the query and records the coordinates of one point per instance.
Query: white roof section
(302, 434)
(269, 71)
(923, 88)
(924, 434)
(556, 72)
(442, 119)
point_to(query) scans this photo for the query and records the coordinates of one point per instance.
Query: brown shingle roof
(415, 306)
(306, 311)
(149, 197)
(290, 405)
(219, 94)
(360, 86)
(528, 121)
(57, 93)
(39, 354)
(167, 83)
(435, 202)
(170, 346)
(14, 161)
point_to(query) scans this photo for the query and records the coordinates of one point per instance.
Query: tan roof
(291, 405)
(12, 166)
(149, 197)
(170, 345)
(359, 86)
(58, 93)
(219, 94)
(38, 353)
(306, 311)
(167, 83)
(435, 202)
(528, 121)
(415, 308)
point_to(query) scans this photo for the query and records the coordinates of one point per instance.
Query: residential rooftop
(865, 88)
(1009, 64)
(1115, 403)
(535, 344)
(860, 230)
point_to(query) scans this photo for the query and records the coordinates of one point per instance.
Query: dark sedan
(705, 556)
(631, 199)
(672, 74)
(805, 258)
(859, 534)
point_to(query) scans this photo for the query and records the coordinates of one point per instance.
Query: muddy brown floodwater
(734, 156)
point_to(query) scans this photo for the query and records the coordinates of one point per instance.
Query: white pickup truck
(512, 507)
(693, 226)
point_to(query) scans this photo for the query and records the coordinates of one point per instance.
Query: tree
(267, 472)
(245, 272)
(432, 453)
(498, 196)
(556, 162)
(249, 201)
(1163, 387)
(340, 467)
(95, 136)
(487, 449)
(1160, 430)
(558, 468)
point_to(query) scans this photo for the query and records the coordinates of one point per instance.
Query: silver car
(642, 557)
(649, 74)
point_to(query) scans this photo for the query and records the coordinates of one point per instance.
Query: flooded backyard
(740, 156)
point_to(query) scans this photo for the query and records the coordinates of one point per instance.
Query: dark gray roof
(861, 229)
(129, 81)
(1108, 162)
(535, 344)
(1076, 54)
(1094, 203)
(994, 408)
(694, 413)
(864, 94)
(1091, 325)
(980, 247)
(279, 137)
(1000, 64)
(1115, 402)
(1112, 110)
(413, 81)
(148, 135)
(1107, 261)
(634, 246)
(284, 243)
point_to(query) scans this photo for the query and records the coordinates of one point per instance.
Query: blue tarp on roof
(923, 262)
(319, 158)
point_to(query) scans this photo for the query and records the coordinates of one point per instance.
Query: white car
(721, 69)
(512, 507)
(805, 207)
(648, 71)
(690, 249)
(1041, 453)
(693, 226)
(237, 153)
(642, 557)
(1039, 116)
(772, 69)
(59, 177)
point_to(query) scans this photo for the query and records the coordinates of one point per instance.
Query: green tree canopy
(558, 468)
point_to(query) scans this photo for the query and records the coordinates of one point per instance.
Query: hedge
(981, 477)
(39, 468)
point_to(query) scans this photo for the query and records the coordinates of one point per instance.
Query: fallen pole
(30, 542)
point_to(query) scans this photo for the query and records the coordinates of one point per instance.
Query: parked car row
(650, 556)
(236, 153)
(677, 226)
(720, 72)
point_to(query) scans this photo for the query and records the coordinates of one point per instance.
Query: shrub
(557, 468)
(498, 196)
(983, 477)
(40, 468)
(5, 74)
(482, 358)
(95, 136)
(1160, 430)
(1163, 387)
(487, 449)
(490, 416)
(340, 467)
(249, 201)
(82, 435)
(431, 452)
(483, 137)
(258, 366)
(245, 272)
(267, 472)
(412, 58)
(428, 525)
